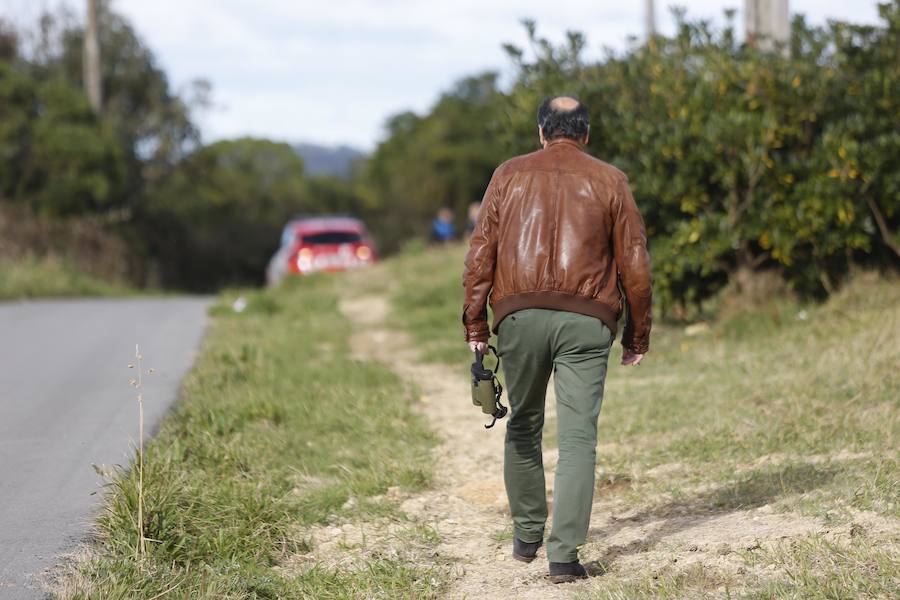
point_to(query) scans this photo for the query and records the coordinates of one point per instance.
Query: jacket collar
(566, 141)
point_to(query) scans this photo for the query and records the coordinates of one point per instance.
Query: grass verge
(45, 278)
(276, 431)
(427, 301)
(786, 406)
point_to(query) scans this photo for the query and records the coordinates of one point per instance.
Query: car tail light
(363, 253)
(305, 260)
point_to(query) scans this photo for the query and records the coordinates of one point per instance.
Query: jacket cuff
(637, 346)
(477, 332)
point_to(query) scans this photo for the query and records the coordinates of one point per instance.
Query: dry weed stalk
(141, 548)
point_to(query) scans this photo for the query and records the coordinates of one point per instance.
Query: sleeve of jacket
(633, 264)
(481, 261)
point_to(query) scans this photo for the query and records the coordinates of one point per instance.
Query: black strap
(500, 410)
(497, 356)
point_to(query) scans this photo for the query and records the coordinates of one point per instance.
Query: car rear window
(332, 237)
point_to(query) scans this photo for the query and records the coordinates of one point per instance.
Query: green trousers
(535, 343)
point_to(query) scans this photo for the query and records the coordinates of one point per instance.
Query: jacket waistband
(554, 301)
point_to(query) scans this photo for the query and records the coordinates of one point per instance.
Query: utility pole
(91, 57)
(767, 23)
(650, 19)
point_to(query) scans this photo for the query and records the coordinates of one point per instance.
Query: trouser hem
(529, 538)
(566, 558)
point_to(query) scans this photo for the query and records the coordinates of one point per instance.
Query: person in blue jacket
(442, 228)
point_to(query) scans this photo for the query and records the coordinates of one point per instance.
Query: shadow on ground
(759, 488)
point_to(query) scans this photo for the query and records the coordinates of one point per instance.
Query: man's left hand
(631, 359)
(479, 346)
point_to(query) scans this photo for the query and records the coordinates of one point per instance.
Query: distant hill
(328, 160)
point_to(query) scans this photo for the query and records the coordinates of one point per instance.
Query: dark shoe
(566, 572)
(525, 551)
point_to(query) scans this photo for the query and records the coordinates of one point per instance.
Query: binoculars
(486, 388)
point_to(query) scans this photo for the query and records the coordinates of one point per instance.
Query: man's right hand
(479, 346)
(631, 359)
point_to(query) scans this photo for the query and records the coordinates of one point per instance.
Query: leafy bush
(740, 159)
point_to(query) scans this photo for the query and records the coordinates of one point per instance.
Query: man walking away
(558, 236)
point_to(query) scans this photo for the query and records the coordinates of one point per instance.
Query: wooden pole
(650, 19)
(767, 23)
(91, 58)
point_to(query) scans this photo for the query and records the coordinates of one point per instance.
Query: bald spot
(564, 103)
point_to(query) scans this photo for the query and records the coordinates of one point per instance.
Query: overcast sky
(331, 71)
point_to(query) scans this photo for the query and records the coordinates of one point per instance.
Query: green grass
(821, 569)
(817, 397)
(276, 429)
(788, 405)
(428, 299)
(44, 278)
(814, 569)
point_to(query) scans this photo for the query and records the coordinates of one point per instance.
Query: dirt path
(467, 505)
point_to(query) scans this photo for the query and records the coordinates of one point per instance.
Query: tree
(741, 159)
(217, 219)
(442, 160)
(57, 157)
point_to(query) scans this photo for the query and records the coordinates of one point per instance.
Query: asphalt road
(66, 404)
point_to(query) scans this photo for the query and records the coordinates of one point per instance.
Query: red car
(313, 244)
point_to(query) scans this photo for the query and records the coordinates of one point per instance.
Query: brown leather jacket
(559, 229)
